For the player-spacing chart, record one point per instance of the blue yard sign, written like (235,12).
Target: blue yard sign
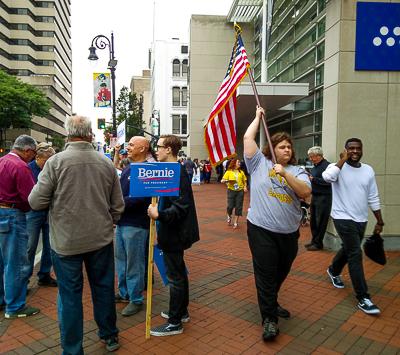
(377,36)
(154,179)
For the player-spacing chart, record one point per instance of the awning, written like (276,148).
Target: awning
(273,97)
(244,10)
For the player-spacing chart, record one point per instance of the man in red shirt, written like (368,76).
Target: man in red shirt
(15,185)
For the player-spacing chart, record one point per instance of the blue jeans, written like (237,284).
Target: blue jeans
(36,222)
(99,265)
(130,253)
(13,259)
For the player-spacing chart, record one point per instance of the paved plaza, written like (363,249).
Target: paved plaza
(223,308)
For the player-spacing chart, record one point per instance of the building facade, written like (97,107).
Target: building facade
(35,45)
(311,42)
(141,86)
(169,89)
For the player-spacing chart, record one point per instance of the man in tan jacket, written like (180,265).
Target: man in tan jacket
(82,191)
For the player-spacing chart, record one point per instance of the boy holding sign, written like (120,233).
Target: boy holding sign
(177,230)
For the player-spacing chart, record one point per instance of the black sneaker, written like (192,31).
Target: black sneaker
(166,329)
(271,330)
(47,281)
(112,343)
(282,312)
(185,318)
(368,307)
(22,313)
(119,299)
(336,280)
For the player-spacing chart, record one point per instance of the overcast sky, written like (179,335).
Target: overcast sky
(132,24)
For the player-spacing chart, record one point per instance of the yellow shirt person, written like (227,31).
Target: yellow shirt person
(235,179)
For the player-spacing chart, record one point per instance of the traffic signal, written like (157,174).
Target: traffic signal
(101,123)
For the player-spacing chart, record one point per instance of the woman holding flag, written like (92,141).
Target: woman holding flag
(273,220)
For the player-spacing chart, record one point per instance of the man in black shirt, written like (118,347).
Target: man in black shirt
(321,199)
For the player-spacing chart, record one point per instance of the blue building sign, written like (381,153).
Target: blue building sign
(377,36)
(154,179)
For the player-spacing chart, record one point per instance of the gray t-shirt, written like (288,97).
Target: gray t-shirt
(273,204)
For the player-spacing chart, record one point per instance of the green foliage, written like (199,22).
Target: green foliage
(58,142)
(19,101)
(130,109)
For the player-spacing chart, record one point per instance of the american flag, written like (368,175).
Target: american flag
(220,129)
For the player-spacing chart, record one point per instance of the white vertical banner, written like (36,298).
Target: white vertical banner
(121,133)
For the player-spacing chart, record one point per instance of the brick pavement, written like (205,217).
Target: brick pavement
(223,308)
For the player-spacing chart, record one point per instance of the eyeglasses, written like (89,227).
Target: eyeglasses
(161,146)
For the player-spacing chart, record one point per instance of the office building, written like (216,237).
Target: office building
(35,45)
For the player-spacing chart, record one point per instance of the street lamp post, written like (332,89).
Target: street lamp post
(101,42)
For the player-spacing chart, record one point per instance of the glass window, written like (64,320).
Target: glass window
(303,125)
(321,52)
(304,105)
(184,124)
(184,96)
(176,124)
(176,100)
(309,78)
(176,67)
(318,122)
(304,63)
(286,76)
(184,67)
(319,99)
(321,28)
(301,146)
(306,41)
(305,20)
(319,75)
(321,5)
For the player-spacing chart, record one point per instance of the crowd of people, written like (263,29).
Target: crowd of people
(79,202)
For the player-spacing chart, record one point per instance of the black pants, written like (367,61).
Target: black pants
(320,210)
(351,233)
(273,255)
(178,286)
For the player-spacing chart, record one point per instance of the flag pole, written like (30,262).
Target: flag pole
(253,84)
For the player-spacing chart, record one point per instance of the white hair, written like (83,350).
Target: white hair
(316,150)
(78,126)
(24,142)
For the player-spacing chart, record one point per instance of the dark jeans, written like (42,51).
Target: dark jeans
(273,255)
(99,266)
(320,210)
(178,286)
(351,233)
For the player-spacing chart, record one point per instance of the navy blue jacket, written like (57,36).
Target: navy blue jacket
(135,213)
(318,184)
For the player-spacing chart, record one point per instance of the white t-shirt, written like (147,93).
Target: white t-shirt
(353,190)
(274,205)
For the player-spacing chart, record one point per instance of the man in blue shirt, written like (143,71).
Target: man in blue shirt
(131,236)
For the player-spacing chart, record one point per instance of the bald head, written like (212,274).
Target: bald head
(138,148)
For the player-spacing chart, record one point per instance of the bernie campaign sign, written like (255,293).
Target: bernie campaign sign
(377,36)
(154,179)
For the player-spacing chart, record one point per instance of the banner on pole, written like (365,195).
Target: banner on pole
(101,91)
(154,179)
(121,133)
